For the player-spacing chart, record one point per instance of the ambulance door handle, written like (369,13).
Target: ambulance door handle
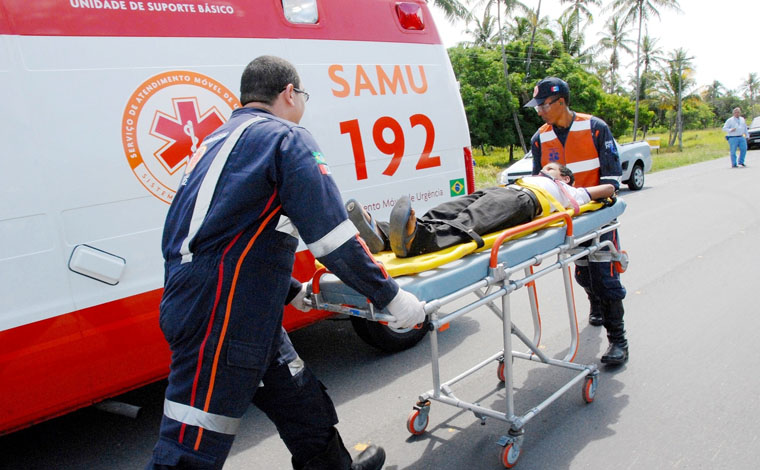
(97,264)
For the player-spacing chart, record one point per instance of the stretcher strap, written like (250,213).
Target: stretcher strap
(544,198)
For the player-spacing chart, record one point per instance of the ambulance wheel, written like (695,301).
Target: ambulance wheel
(589,389)
(510,454)
(386,339)
(415,424)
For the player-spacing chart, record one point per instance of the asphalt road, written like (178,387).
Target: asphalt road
(688,398)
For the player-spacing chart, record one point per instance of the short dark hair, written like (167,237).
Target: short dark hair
(566,97)
(565,171)
(265,77)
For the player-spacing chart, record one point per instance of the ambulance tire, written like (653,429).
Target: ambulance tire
(383,338)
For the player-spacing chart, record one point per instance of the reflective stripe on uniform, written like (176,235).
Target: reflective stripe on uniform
(195,417)
(206,191)
(585,165)
(333,240)
(610,178)
(581,126)
(547,136)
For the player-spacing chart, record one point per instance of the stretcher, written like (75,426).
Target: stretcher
(518,256)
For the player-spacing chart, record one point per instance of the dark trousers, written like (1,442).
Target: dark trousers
(600,279)
(222,317)
(482,212)
(605,292)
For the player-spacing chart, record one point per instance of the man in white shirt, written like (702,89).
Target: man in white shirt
(468,217)
(736,134)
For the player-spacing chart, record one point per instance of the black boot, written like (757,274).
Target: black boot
(617,352)
(595,316)
(371,458)
(336,457)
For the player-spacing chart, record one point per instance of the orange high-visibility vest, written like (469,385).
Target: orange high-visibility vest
(579,152)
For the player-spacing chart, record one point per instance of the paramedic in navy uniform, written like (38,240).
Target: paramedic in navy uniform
(228,276)
(584,144)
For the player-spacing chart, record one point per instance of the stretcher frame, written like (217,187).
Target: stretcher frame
(500,284)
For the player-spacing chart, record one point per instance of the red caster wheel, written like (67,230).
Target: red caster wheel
(589,389)
(509,455)
(415,423)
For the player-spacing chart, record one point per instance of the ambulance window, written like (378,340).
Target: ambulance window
(301,11)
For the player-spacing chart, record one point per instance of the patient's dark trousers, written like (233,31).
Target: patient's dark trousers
(482,212)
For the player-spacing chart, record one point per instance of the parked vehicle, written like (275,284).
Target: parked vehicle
(106,100)
(635,158)
(753,133)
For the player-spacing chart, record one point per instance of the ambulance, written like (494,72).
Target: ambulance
(103,101)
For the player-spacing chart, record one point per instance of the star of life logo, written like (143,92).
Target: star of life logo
(164,124)
(553,155)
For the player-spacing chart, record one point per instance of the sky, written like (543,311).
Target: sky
(720,37)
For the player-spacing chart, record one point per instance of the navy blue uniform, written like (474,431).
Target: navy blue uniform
(599,279)
(228,277)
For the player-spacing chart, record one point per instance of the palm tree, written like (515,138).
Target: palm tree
(750,87)
(452,8)
(615,39)
(640,11)
(485,30)
(572,40)
(650,54)
(578,8)
(713,91)
(509,7)
(678,80)
(540,29)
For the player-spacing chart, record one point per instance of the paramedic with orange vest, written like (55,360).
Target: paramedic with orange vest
(584,144)
(229,257)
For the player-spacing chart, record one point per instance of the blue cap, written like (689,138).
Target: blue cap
(547,87)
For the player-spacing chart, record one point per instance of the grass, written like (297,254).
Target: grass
(698,146)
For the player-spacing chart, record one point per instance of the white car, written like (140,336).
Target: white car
(635,158)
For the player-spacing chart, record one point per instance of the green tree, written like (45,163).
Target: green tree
(678,83)
(571,38)
(485,31)
(614,39)
(486,98)
(750,87)
(640,11)
(617,111)
(580,8)
(696,113)
(651,55)
(452,8)
(585,89)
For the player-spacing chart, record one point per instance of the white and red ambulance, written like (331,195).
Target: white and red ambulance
(103,101)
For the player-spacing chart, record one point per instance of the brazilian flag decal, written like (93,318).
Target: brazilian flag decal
(323,168)
(456,187)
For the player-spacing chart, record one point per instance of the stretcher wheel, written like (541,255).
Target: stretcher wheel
(589,389)
(500,372)
(415,424)
(510,454)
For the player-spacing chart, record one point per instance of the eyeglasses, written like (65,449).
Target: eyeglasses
(546,105)
(298,90)
(305,95)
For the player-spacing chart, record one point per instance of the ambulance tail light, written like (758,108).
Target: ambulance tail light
(470,172)
(410,16)
(301,11)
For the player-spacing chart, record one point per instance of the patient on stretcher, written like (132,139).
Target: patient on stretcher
(468,217)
